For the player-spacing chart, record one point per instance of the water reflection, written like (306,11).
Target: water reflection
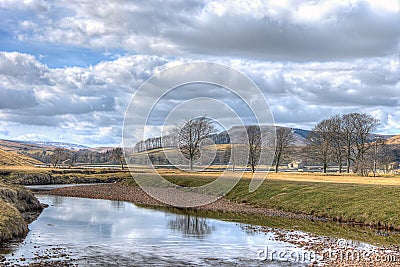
(117,204)
(57,200)
(190,226)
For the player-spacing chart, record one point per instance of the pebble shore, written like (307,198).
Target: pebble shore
(136,195)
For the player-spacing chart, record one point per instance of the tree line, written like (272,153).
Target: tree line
(348,141)
(66,157)
(345,141)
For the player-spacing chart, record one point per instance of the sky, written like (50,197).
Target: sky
(69,68)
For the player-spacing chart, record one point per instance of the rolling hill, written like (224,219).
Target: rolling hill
(13,145)
(395,140)
(10,158)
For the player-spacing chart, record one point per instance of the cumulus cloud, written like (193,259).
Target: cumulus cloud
(32,136)
(14,99)
(73,99)
(325,30)
(89,102)
(311,59)
(21,69)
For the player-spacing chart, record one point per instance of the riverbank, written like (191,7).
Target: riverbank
(227,209)
(375,206)
(343,198)
(18,208)
(136,195)
(24,175)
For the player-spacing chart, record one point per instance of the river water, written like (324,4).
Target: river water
(89,232)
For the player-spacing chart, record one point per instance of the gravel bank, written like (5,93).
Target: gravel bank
(136,195)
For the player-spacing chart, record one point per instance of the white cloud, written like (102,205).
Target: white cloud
(268,30)
(310,58)
(32,137)
(90,103)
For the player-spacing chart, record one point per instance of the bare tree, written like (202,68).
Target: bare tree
(58,155)
(190,136)
(192,226)
(348,131)
(364,124)
(73,157)
(338,140)
(253,141)
(383,155)
(386,157)
(284,139)
(356,130)
(320,142)
(117,155)
(379,142)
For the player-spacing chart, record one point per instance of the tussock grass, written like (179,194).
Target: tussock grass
(11,222)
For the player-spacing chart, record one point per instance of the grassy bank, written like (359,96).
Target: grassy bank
(34,175)
(375,205)
(11,222)
(18,207)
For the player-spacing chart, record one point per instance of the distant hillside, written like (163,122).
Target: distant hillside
(395,140)
(12,145)
(56,144)
(9,158)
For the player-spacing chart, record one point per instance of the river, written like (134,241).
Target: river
(92,232)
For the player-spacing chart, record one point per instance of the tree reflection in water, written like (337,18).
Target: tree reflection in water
(118,204)
(191,226)
(57,200)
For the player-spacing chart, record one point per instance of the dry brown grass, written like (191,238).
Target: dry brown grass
(297,176)
(13,158)
(336,178)
(284,176)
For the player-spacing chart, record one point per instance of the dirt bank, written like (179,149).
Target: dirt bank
(68,178)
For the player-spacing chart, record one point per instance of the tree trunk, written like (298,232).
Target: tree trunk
(325,167)
(278,159)
(348,165)
(276,166)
